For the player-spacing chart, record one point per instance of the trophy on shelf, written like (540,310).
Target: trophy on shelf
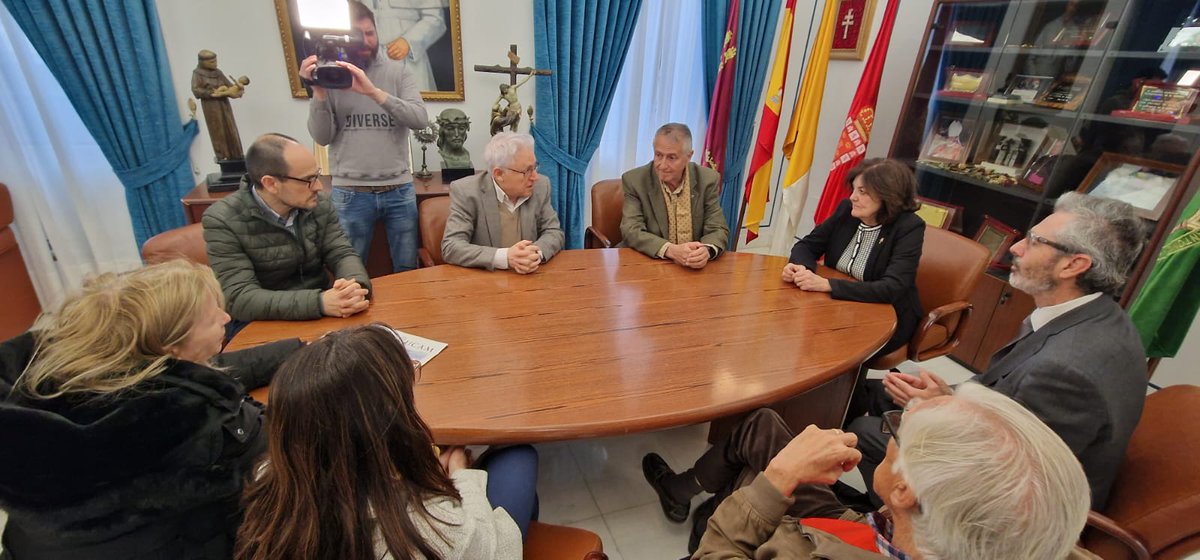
(425,136)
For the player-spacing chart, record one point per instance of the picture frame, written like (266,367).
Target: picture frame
(950,138)
(964,82)
(941,215)
(1066,93)
(1185,39)
(1087,34)
(1056,144)
(1011,147)
(1161,101)
(1028,87)
(971,33)
(997,236)
(850,39)
(1145,184)
(435,59)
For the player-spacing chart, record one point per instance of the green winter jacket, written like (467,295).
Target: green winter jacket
(266,272)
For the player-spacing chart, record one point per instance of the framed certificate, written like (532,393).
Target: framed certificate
(1144,183)
(1161,101)
(962,82)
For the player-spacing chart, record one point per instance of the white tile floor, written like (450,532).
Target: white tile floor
(598,485)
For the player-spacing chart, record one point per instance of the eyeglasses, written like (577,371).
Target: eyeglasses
(891,424)
(308,181)
(532,169)
(1035,240)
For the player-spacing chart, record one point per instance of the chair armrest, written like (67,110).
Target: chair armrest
(596,556)
(426,261)
(962,308)
(1126,537)
(593,239)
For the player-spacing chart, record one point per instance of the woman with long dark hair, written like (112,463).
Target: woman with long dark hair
(352,472)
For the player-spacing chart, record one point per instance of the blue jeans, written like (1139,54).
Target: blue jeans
(512,482)
(397,208)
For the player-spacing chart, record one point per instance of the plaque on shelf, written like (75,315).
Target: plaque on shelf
(1066,93)
(1161,101)
(997,236)
(950,139)
(1028,87)
(971,33)
(961,82)
(1186,38)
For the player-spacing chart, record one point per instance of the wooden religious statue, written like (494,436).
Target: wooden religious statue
(214,90)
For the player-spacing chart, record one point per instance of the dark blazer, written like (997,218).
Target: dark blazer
(1084,375)
(891,273)
(644,222)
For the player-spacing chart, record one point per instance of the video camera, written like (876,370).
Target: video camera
(331,47)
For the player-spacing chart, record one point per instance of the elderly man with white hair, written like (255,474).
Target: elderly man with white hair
(501,218)
(967,476)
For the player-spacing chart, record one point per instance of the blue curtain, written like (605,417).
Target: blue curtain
(584,43)
(108,56)
(716,14)
(755,43)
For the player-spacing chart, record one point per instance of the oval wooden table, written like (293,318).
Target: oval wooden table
(607,341)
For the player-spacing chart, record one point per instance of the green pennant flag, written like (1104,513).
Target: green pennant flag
(1167,304)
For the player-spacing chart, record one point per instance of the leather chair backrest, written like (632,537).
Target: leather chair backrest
(21,307)
(608,202)
(185,242)
(431,219)
(1157,494)
(949,269)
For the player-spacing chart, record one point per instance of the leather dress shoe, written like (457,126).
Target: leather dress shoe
(655,469)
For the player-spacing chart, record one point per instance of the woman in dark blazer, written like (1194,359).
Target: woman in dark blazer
(874,236)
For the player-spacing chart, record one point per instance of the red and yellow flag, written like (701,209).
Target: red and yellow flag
(716,138)
(852,145)
(758,185)
(802,136)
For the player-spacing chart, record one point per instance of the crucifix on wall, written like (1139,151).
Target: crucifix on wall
(506,111)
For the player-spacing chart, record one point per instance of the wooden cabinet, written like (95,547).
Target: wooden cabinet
(999,310)
(1012,103)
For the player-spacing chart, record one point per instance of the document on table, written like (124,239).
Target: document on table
(419,348)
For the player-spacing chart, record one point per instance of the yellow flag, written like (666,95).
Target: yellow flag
(802,136)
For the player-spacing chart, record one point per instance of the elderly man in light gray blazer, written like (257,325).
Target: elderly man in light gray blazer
(502,218)
(1078,362)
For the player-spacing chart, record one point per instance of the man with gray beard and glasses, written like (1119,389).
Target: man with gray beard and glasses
(1078,362)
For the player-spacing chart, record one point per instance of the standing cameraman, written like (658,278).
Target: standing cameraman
(366,128)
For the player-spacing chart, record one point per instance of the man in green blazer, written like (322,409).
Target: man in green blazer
(672,210)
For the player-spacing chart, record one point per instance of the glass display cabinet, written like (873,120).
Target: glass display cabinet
(1011,104)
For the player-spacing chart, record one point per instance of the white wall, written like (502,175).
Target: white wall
(245,36)
(841,83)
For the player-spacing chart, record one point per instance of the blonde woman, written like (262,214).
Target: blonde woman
(121,437)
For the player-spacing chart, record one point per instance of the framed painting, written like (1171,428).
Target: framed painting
(950,139)
(853,29)
(423,34)
(1144,183)
(997,236)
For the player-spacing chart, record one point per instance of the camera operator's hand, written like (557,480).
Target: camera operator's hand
(362,84)
(306,71)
